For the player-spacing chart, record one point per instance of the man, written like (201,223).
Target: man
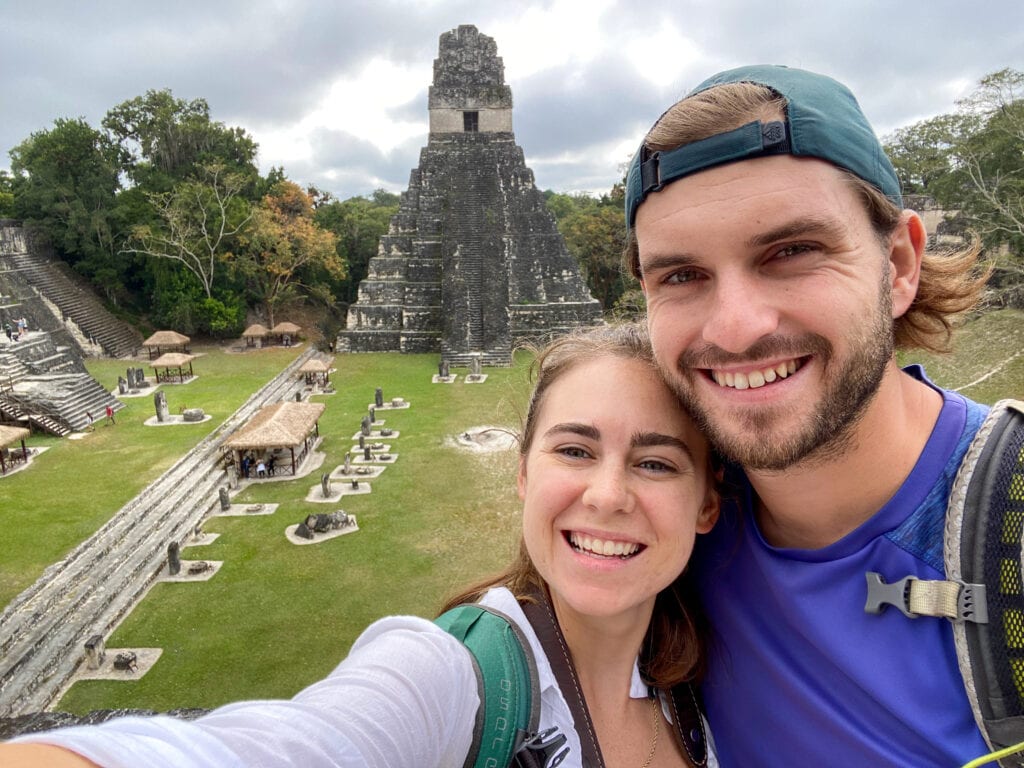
(766,227)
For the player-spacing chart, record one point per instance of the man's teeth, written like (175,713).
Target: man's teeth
(601,547)
(755,379)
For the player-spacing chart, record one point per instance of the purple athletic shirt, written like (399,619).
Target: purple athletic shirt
(799,674)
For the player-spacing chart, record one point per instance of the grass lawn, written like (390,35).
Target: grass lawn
(75,486)
(278,617)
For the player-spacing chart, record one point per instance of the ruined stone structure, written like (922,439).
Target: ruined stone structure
(43,381)
(472,262)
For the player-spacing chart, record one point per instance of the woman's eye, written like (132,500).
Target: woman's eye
(574,452)
(654,465)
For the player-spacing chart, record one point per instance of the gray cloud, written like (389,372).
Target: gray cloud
(263,64)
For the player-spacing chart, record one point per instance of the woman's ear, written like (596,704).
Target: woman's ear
(708,514)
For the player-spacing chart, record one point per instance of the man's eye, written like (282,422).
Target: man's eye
(796,249)
(682,276)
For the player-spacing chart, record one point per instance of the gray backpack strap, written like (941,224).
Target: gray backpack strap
(983,545)
(983,593)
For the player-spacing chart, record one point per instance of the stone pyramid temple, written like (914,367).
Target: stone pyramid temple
(472,263)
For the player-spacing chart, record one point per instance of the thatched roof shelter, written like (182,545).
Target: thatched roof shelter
(169,361)
(316,371)
(285,425)
(10,436)
(285,327)
(253,333)
(166,341)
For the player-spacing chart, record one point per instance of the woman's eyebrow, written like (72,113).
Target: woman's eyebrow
(576,428)
(648,439)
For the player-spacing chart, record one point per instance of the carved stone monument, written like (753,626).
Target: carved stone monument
(193,414)
(95,652)
(160,401)
(173,558)
(347,469)
(473,261)
(225,499)
(122,385)
(325,485)
(367,456)
(126,661)
(378,397)
(365,426)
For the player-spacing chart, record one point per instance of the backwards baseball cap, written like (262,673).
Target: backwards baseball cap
(823,120)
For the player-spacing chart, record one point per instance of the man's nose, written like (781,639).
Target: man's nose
(741,312)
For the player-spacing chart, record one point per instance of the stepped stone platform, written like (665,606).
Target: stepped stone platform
(53,299)
(472,263)
(89,592)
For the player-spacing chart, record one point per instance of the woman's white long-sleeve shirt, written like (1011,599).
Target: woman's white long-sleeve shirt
(406,695)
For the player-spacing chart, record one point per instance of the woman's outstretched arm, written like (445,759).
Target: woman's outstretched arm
(40,756)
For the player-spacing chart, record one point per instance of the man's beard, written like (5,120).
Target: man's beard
(849,386)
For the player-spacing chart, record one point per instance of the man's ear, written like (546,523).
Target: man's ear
(906,249)
(521,478)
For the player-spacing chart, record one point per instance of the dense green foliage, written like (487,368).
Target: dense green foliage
(164,212)
(972,161)
(595,234)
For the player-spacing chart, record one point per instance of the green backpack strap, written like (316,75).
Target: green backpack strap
(509,713)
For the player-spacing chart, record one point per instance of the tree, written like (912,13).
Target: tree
(283,241)
(164,140)
(358,223)
(595,235)
(64,184)
(197,221)
(6,195)
(989,156)
(972,160)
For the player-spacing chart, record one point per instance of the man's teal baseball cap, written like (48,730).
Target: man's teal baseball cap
(823,120)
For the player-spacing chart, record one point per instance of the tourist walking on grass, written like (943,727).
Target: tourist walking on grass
(614,491)
(110,415)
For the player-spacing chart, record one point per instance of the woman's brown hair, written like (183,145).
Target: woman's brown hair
(673,649)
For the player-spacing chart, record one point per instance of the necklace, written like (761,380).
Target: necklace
(657,724)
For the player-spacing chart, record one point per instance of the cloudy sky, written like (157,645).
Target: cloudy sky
(336,92)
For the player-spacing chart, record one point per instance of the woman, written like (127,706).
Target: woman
(616,482)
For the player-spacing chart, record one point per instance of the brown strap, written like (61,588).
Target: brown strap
(542,619)
(686,712)
(689,723)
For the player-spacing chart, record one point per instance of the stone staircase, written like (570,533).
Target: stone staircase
(53,402)
(89,592)
(58,403)
(76,304)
